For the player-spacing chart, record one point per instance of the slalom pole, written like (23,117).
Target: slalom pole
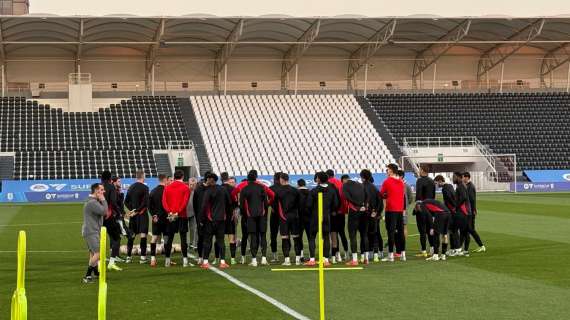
(102,302)
(19,309)
(321,261)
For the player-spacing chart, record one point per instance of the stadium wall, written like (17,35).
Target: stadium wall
(170,73)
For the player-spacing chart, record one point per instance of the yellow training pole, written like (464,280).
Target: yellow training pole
(321,261)
(19,310)
(102,305)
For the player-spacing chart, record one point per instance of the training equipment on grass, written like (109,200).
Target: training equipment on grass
(102,303)
(19,301)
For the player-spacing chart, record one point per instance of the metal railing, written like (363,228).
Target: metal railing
(450,142)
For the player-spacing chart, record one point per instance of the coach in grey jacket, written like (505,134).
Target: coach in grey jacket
(93,212)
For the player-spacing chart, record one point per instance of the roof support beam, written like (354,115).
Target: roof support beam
(2,44)
(152,53)
(79,46)
(552,61)
(296,51)
(362,55)
(225,53)
(499,53)
(432,53)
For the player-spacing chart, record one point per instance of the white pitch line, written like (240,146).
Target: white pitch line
(39,224)
(258,293)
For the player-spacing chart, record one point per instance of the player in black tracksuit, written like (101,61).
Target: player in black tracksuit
(274,220)
(330,204)
(197,204)
(438,223)
(253,203)
(462,211)
(304,214)
(472,192)
(374,207)
(355,196)
(425,189)
(158,214)
(231,219)
(287,204)
(137,203)
(449,201)
(215,202)
(110,221)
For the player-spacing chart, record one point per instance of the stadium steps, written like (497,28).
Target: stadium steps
(6,168)
(162,164)
(381,128)
(194,133)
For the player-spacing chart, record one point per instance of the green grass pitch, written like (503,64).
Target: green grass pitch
(525,274)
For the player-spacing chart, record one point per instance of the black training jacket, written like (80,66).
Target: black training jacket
(462,200)
(449,197)
(354,193)
(287,202)
(253,200)
(215,202)
(155,204)
(304,213)
(425,188)
(472,193)
(137,198)
(330,201)
(372,201)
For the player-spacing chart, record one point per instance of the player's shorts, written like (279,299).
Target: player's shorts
(160,227)
(441,223)
(183,226)
(139,223)
(257,224)
(290,226)
(338,222)
(92,241)
(314,227)
(230,227)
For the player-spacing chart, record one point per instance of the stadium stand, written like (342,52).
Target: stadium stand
(533,125)
(52,144)
(297,134)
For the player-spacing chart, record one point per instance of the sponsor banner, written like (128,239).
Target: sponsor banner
(54,190)
(548,175)
(543,186)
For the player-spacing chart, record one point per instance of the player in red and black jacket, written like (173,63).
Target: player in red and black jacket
(438,225)
(355,197)
(338,219)
(137,203)
(374,207)
(197,204)
(274,219)
(425,189)
(215,203)
(462,211)
(253,200)
(175,200)
(287,205)
(472,193)
(114,212)
(330,205)
(449,201)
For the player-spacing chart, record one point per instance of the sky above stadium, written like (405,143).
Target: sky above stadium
(376,8)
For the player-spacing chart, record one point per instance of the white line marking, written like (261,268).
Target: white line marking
(258,293)
(39,224)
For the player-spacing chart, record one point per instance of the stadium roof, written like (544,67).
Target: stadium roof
(277,36)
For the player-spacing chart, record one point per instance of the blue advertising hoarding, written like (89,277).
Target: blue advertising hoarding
(21,191)
(548,175)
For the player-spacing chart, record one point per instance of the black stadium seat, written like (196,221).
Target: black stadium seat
(534,126)
(52,144)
